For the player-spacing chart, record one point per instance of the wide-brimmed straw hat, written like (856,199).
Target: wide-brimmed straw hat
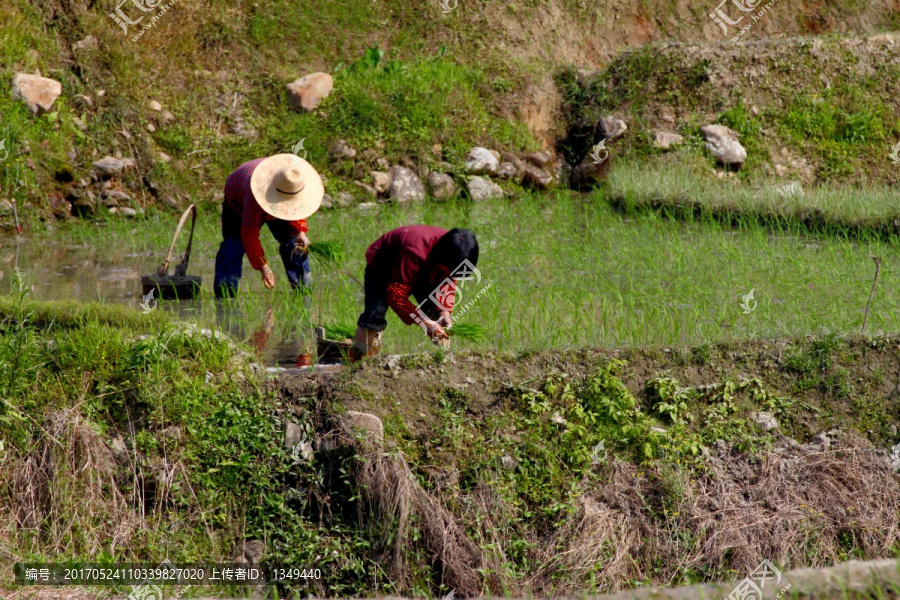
(287,187)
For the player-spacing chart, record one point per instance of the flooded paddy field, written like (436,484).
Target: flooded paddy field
(558,272)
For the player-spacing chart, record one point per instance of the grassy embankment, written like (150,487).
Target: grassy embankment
(126,438)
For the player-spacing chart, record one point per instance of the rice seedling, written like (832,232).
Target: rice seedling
(331,252)
(469,332)
(339,331)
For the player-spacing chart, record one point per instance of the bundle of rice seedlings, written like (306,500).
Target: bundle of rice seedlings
(339,331)
(471,332)
(328,251)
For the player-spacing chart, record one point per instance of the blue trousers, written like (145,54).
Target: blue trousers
(230,257)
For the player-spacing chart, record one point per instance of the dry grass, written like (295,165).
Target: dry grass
(795,505)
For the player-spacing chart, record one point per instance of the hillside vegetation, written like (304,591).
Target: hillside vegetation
(408,77)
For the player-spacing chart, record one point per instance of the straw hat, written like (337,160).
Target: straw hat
(287,187)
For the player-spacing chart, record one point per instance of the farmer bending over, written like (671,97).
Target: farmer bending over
(280,191)
(421,261)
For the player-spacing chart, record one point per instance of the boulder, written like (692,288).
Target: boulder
(155,106)
(341,149)
(481,161)
(482,189)
(514,160)
(88,43)
(307,92)
(766,420)
(343,200)
(611,128)
(664,140)
(405,185)
(588,174)
(441,185)
(327,201)
(367,423)
(38,93)
(536,177)
(381,181)
(723,144)
(166,117)
(293,435)
(365,187)
(507,170)
(127,211)
(109,167)
(113,197)
(539,158)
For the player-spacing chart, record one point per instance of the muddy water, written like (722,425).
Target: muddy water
(100,272)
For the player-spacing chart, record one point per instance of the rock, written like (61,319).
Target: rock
(166,117)
(664,140)
(109,167)
(249,552)
(367,422)
(441,185)
(119,449)
(156,106)
(84,206)
(60,207)
(482,189)
(766,420)
(38,93)
(611,128)
(539,158)
(895,458)
(307,92)
(113,197)
(163,157)
(341,149)
(792,189)
(381,182)
(368,189)
(88,43)
(171,202)
(437,149)
(723,144)
(512,158)
(558,419)
(588,174)
(366,206)
(293,435)
(536,177)
(405,185)
(343,200)
(507,170)
(327,201)
(481,161)
(151,128)
(5,206)
(113,210)
(127,211)
(508,463)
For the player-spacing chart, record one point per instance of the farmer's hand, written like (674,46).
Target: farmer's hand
(302,242)
(445,320)
(435,330)
(268,277)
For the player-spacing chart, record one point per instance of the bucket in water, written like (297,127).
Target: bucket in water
(179,286)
